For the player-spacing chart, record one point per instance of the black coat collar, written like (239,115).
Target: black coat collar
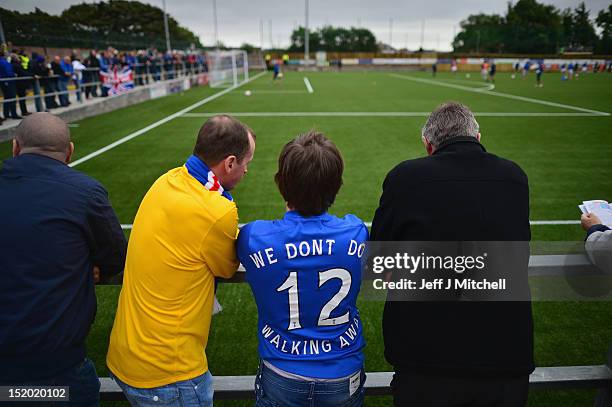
(459,143)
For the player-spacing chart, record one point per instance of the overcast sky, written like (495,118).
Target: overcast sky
(240,20)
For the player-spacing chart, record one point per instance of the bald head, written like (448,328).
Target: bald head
(44,134)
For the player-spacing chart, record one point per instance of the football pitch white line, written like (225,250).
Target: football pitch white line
(277,91)
(127,226)
(500,94)
(387,114)
(159,123)
(308,85)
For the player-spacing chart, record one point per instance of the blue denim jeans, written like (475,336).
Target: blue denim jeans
(273,390)
(62,86)
(187,393)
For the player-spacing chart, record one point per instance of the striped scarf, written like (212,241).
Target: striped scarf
(200,171)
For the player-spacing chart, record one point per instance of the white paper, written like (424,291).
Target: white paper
(602,209)
(354,383)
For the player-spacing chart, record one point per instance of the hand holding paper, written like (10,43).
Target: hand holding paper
(596,212)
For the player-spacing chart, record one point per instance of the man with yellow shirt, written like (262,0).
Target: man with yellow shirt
(183,237)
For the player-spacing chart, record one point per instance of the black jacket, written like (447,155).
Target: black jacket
(57,70)
(21,85)
(460,193)
(57,223)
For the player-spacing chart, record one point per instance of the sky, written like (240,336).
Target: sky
(398,22)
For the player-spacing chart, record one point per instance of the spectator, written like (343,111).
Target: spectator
(59,232)
(77,76)
(309,177)
(60,79)
(48,82)
(64,81)
(7,84)
(163,318)
(141,68)
(191,63)
(91,75)
(22,83)
(104,61)
(115,60)
(37,68)
(457,353)
(598,241)
(168,66)
(25,61)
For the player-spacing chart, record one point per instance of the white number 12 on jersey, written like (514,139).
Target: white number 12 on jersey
(291,284)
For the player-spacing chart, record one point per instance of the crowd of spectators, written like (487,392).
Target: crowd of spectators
(20,72)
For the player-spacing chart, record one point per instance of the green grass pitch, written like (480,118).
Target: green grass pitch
(565,150)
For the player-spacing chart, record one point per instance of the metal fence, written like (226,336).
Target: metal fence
(86,83)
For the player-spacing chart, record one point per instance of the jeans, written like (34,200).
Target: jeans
(77,84)
(37,99)
(9,92)
(63,88)
(82,381)
(50,86)
(273,390)
(21,92)
(187,393)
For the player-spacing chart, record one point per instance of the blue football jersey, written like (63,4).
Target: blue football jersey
(305,274)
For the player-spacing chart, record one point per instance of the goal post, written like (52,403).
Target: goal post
(227,68)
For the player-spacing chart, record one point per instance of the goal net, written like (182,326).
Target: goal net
(227,68)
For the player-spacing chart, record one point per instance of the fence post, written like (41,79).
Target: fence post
(37,98)
(604,395)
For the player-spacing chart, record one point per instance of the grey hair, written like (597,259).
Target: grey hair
(449,120)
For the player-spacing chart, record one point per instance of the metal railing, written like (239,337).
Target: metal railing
(143,74)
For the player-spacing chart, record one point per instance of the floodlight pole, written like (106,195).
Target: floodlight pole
(214,4)
(391,32)
(261,34)
(166,29)
(2,37)
(422,34)
(306,37)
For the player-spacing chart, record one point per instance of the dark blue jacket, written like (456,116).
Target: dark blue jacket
(56,224)
(6,69)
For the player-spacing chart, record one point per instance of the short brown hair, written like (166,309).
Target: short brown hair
(309,173)
(220,137)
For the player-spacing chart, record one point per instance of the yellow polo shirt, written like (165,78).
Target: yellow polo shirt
(183,237)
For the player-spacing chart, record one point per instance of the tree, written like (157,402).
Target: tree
(129,19)
(528,27)
(481,33)
(120,23)
(583,30)
(335,39)
(533,27)
(248,47)
(604,22)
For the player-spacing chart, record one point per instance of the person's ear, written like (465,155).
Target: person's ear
(16,148)
(70,151)
(478,137)
(229,163)
(428,146)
